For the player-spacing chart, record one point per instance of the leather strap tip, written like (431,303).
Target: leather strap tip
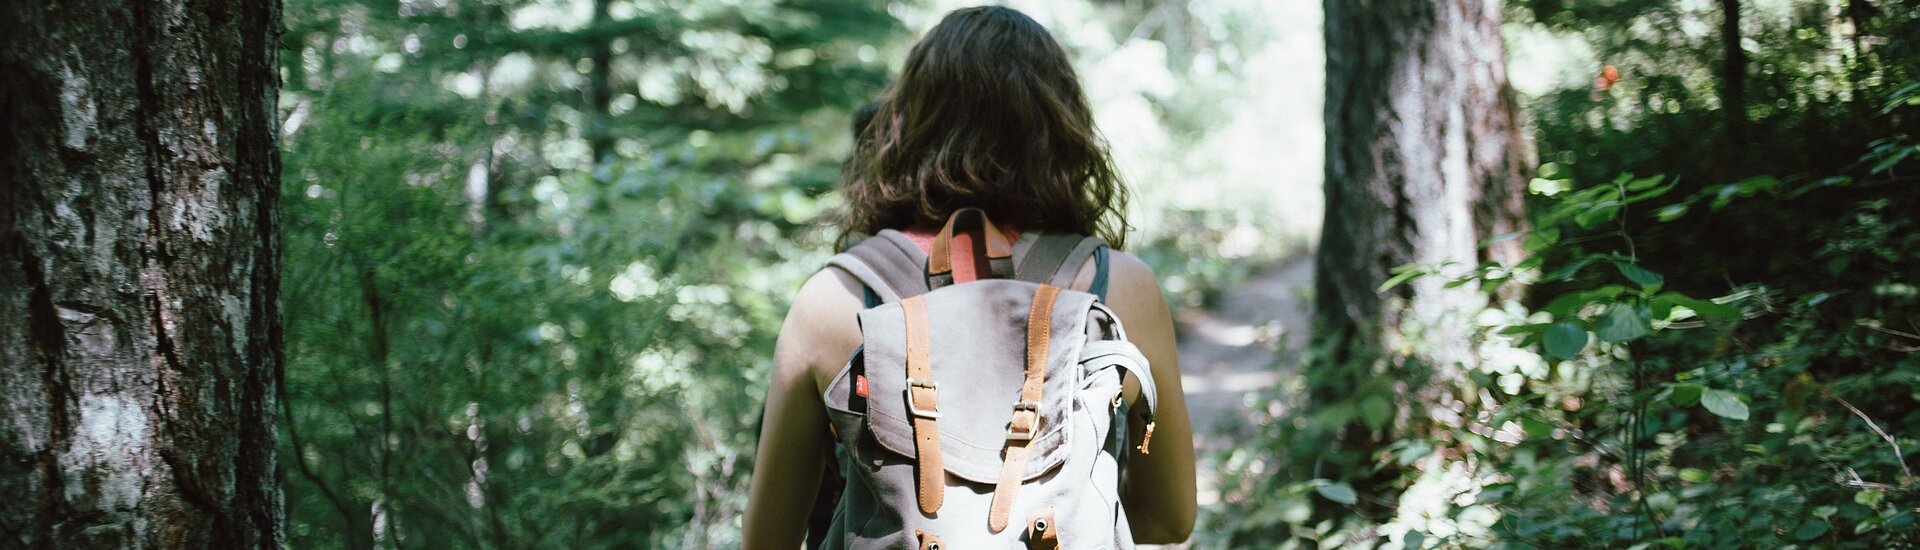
(1146,439)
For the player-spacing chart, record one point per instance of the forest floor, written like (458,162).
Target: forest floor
(1230,354)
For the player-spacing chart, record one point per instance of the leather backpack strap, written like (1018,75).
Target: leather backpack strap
(928,541)
(1026,413)
(940,256)
(1043,533)
(923,406)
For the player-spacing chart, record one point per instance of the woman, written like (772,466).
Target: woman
(988,114)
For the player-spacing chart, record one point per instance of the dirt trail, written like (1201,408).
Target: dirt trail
(1239,347)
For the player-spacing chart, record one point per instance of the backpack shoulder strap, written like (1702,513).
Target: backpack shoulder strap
(1055,259)
(1044,256)
(888,263)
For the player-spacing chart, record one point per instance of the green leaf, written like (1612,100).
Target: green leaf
(1534,328)
(1687,395)
(1407,273)
(1598,214)
(1565,304)
(1648,280)
(1652,193)
(1376,411)
(1565,340)
(1811,529)
(1870,498)
(1536,427)
(1671,212)
(1336,491)
(1413,452)
(1624,323)
(1724,403)
(1703,308)
(1645,183)
(1540,239)
(1570,269)
(1548,187)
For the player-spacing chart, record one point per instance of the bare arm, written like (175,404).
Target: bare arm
(1159,487)
(816,336)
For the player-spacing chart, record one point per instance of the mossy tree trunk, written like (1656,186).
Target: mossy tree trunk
(140,326)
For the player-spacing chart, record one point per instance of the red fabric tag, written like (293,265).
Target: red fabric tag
(860,385)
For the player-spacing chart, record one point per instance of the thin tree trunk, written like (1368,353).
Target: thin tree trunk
(1733,79)
(600,88)
(139,308)
(1424,161)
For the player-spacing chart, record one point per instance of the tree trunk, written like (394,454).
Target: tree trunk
(1733,80)
(139,308)
(1424,161)
(600,86)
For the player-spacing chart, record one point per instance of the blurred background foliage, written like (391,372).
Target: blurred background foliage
(538,250)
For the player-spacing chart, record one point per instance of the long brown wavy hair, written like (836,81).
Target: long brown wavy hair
(987,113)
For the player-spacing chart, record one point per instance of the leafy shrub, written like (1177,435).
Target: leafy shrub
(1618,408)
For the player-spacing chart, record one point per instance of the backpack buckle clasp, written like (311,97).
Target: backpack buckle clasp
(1026,418)
(913,405)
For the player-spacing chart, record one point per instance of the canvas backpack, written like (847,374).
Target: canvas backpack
(983,413)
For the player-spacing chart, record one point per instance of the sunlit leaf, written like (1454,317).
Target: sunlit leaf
(1624,322)
(1724,403)
(1336,491)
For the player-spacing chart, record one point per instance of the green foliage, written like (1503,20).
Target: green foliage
(1629,410)
(501,337)
(538,250)
(1791,458)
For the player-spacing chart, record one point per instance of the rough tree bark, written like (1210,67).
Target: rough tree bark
(1425,160)
(139,308)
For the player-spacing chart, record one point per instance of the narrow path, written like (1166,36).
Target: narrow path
(1240,347)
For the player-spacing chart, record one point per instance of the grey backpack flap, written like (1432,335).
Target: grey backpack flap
(985,414)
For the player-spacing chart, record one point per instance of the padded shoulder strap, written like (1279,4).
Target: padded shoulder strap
(888,263)
(1055,259)
(1044,256)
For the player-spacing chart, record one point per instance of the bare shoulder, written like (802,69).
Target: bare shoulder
(1132,288)
(1134,293)
(821,329)
(1127,273)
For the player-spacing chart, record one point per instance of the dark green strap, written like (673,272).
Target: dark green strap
(1099,286)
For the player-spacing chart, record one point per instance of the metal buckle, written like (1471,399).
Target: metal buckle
(913,407)
(1013,431)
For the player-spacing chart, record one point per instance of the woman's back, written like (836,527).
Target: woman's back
(987,113)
